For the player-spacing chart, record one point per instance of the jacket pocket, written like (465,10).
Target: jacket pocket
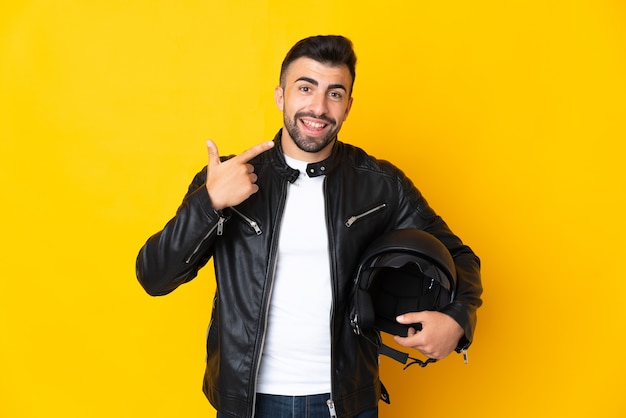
(251,222)
(219,227)
(365,214)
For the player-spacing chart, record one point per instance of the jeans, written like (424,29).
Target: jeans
(312,406)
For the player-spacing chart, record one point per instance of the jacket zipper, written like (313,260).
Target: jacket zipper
(220,229)
(253,224)
(274,248)
(330,403)
(355,218)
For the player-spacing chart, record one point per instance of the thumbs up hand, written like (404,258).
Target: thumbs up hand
(232,181)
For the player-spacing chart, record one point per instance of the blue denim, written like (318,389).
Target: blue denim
(312,406)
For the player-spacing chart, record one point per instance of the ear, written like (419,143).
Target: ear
(279,98)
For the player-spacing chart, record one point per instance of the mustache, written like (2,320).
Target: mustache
(325,118)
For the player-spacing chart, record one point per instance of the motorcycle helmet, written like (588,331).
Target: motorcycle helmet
(405,270)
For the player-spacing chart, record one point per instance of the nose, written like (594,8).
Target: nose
(318,103)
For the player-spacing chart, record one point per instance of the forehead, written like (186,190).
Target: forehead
(322,73)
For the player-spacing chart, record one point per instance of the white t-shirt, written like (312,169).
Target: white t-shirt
(296,352)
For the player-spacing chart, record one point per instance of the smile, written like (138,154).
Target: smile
(314,125)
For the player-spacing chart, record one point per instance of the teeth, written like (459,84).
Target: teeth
(313,124)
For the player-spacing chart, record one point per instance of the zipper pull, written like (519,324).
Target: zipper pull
(255,226)
(353,219)
(249,221)
(331,408)
(220,225)
(465,359)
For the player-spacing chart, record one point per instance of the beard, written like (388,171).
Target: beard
(307,143)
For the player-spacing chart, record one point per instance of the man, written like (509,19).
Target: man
(286,222)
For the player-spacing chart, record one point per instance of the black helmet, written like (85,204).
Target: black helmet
(405,270)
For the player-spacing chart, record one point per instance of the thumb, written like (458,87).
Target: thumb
(410,318)
(214,156)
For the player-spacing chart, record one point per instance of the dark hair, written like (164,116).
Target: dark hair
(332,50)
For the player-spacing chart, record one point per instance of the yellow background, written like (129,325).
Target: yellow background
(509,116)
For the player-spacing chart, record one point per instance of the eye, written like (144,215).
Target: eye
(335,95)
(305,89)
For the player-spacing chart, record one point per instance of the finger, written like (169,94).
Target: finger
(408,341)
(253,178)
(214,156)
(410,318)
(250,153)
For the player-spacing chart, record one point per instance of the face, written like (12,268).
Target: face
(315,101)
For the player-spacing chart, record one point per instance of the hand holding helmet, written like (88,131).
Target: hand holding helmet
(437,338)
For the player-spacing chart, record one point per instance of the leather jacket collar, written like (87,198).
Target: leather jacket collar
(320,168)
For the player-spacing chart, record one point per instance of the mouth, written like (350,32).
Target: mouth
(312,125)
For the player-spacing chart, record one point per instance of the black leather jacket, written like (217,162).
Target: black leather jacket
(365,197)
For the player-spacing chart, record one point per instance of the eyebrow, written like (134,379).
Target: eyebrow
(315,83)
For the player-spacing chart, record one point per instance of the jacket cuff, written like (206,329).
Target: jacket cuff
(459,313)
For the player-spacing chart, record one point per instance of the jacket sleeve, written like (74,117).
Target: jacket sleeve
(467,298)
(174,255)
(416,212)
